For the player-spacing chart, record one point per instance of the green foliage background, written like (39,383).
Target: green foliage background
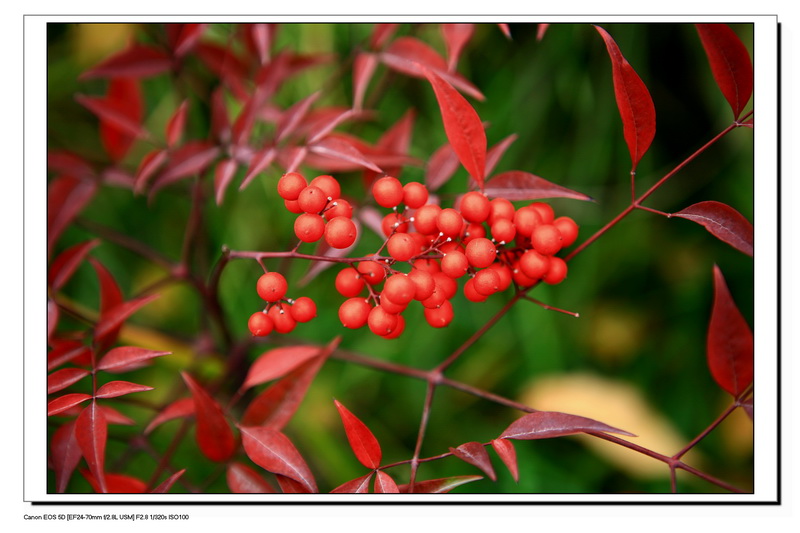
(643,291)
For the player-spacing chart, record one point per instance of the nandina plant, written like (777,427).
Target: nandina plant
(314,272)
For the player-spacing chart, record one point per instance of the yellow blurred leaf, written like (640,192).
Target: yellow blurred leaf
(93,42)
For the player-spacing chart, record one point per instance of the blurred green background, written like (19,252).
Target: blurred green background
(634,359)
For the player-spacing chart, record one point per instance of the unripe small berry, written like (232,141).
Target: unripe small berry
(486,282)
(481,252)
(525,220)
(545,212)
(568,229)
(381,322)
(312,199)
(353,313)
(304,309)
(533,264)
(259,324)
(290,185)
(349,282)
(475,207)
(394,223)
(425,219)
(450,222)
(338,208)
(271,286)
(282,318)
(340,232)
(455,264)
(440,317)
(329,185)
(309,227)
(415,195)
(399,288)
(402,246)
(371,272)
(500,208)
(388,191)
(557,271)
(546,239)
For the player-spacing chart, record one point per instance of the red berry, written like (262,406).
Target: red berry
(500,208)
(271,286)
(436,299)
(503,230)
(353,313)
(450,246)
(388,191)
(455,264)
(340,232)
(474,231)
(282,318)
(423,282)
(504,274)
(440,317)
(312,199)
(415,195)
(260,324)
(290,185)
(520,278)
(371,272)
(475,207)
(533,264)
(450,222)
(304,309)
(399,288)
(545,212)
(402,246)
(448,285)
(398,329)
(338,208)
(329,186)
(486,282)
(481,252)
(557,271)
(349,282)
(526,219)
(425,219)
(390,306)
(309,227)
(546,239)
(428,265)
(380,321)
(471,294)
(293,206)
(394,223)
(568,229)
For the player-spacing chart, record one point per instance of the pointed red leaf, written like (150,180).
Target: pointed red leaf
(117,483)
(729,347)
(113,319)
(124,100)
(260,161)
(124,358)
(325,250)
(110,298)
(396,140)
(549,424)
(456,36)
(372,218)
(63,162)
(183,37)
(505,450)
(463,127)
(136,61)
(65,351)
(167,484)
(440,167)
(730,64)
(439,486)
(189,160)
(274,452)
(382,33)
(67,261)
(723,222)
(362,441)
(541,30)
(262,36)
(227,65)
(634,102)
(290,486)
(337,148)
(177,409)
(52,317)
(147,168)
(66,197)
(65,454)
(176,125)
(276,405)
(112,389)
(321,128)
(244,480)
(220,122)
(62,403)
(384,484)
(505,29)
(91,432)
(214,436)
(519,185)
(223,175)
(293,116)
(495,153)
(113,416)
(363,69)
(278,362)
(292,156)
(475,454)
(61,379)
(359,485)
(111,114)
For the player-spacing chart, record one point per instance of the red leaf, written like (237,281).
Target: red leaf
(117,484)
(730,64)
(441,167)
(125,358)
(214,436)
(519,185)
(260,161)
(277,363)
(147,168)
(274,452)
(382,33)
(113,319)
(61,379)
(723,222)
(396,140)
(337,148)
(455,37)
(91,432)
(634,102)
(65,454)
(110,298)
(177,409)
(505,29)
(505,450)
(463,127)
(52,317)
(292,156)
(372,218)
(66,350)
(167,484)
(176,125)
(112,389)
(124,98)
(384,484)
(290,486)
(293,116)
(223,175)
(67,261)
(363,69)
(183,37)
(322,127)
(540,31)
(110,114)
(136,61)
(62,403)
(413,57)
(475,454)
(66,197)
(276,405)
(362,441)
(549,424)
(113,416)
(747,405)
(730,341)
(190,159)
(63,162)
(220,122)
(225,64)
(359,485)
(439,486)
(496,152)
(262,36)
(244,480)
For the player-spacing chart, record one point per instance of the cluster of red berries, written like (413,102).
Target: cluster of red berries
(321,210)
(491,241)
(280,314)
